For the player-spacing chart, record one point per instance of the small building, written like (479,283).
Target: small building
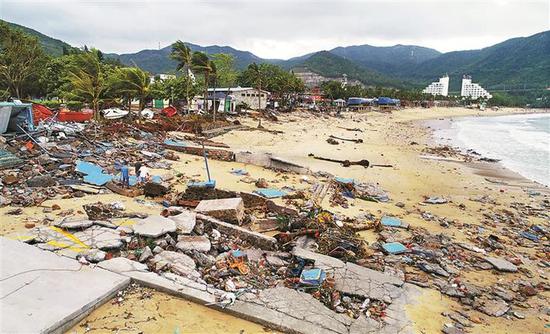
(227,99)
(161,103)
(473,90)
(440,87)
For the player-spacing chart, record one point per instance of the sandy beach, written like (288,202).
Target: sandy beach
(399,139)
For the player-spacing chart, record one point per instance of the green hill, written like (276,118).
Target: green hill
(330,65)
(52,46)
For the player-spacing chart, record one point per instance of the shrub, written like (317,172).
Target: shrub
(74,105)
(51,104)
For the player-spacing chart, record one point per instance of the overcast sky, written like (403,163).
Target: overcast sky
(280,29)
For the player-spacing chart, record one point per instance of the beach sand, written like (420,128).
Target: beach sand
(396,139)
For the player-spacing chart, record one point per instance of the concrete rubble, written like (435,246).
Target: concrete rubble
(287,262)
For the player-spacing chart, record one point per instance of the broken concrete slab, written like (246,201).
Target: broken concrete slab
(154,226)
(178,262)
(34,281)
(100,237)
(94,255)
(502,264)
(258,239)
(229,210)
(353,279)
(70,224)
(193,242)
(292,310)
(495,308)
(121,265)
(185,221)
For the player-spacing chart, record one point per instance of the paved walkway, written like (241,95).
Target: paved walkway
(44,292)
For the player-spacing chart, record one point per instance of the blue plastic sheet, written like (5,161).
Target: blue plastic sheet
(344,180)
(205,184)
(312,276)
(394,248)
(270,192)
(390,221)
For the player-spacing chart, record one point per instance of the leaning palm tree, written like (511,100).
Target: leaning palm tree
(133,82)
(87,80)
(183,55)
(256,72)
(202,64)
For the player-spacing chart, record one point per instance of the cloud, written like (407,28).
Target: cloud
(280,29)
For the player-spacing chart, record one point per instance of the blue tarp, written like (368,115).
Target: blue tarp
(394,248)
(390,221)
(95,175)
(344,180)
(387,101)
(270,193)
(205,184)
(312,276)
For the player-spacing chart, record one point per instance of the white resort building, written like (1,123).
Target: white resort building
(440,87)
(473,90)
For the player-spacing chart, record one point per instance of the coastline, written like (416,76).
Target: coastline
(496,172)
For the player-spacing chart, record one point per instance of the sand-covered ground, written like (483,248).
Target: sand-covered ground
(397,139)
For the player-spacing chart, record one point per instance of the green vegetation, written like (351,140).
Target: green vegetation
(21,60)
(273,78)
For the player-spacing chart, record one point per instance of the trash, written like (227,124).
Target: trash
(270,192)
(313,277)
(394,248)
(435,200)
(393,222)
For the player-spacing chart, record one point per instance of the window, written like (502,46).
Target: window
(263,95)
(242,94)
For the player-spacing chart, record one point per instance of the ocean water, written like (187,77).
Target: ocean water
(521,142)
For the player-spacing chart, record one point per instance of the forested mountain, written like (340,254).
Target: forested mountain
(517,61)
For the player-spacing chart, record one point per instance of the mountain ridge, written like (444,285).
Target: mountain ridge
(515,61)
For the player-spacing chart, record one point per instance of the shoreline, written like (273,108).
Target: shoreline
(493,170)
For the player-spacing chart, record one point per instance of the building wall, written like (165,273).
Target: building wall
(440,87)
(250,97)
(473,90)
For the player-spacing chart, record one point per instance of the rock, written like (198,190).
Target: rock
(10,179)
(74,224)
(432,268)
(30,225)
(528,291)
(177,262)
(185,221)
(495,308)
(121,265)
(198,243)
(449,329)
(146,254)
(100,237)
(157,250)
(229,210)
(518,315)
(262,183)
(501,264)
(95,255)
(41,181)
(154,226)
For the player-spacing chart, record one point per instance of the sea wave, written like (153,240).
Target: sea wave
(521,142)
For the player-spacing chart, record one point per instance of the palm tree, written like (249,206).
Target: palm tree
(133,82)
(88,80)
(256,72)
(202,64)
(183,55)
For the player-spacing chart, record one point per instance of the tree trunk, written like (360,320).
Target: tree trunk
(260,94)
(214,100)
(206,91)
